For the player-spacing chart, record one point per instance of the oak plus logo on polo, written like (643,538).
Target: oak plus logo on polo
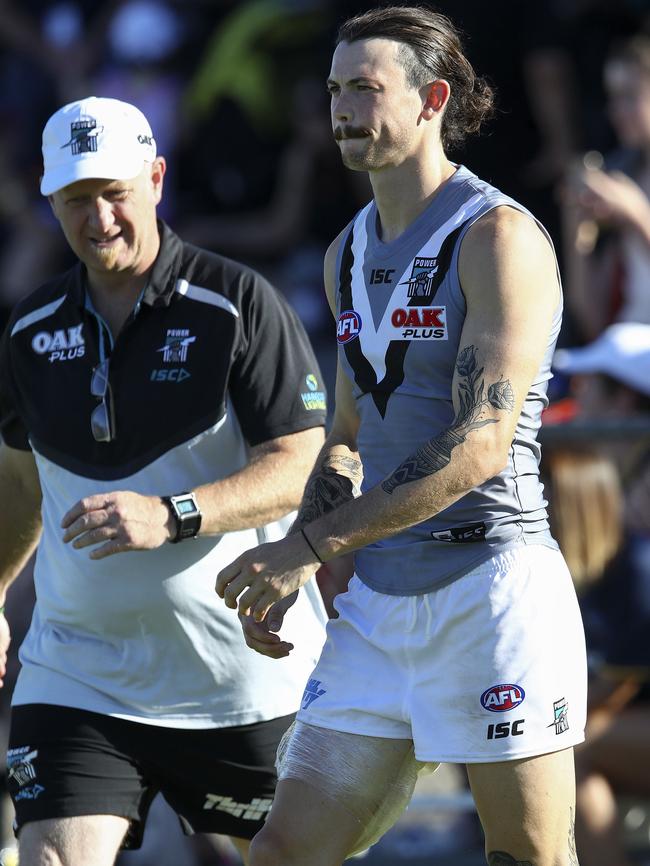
(61,345)
(503,697)
(348,326)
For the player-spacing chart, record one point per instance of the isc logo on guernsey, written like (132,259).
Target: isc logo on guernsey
(501,698)
(348,326)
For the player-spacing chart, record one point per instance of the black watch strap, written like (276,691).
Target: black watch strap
(186,515)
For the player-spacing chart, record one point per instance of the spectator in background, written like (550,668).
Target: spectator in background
(612,381)
(606,205)
(611,570)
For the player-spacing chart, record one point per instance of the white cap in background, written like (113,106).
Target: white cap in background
(622,352)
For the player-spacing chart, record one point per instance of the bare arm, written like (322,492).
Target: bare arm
(268,487)
(20,513)
(509,278)
(20,526)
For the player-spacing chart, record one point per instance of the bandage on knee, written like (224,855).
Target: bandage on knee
(371,777)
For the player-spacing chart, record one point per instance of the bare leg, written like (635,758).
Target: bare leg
(527,808)
(87,840)
(337,793)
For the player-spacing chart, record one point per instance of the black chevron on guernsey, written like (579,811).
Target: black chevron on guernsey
(364,373)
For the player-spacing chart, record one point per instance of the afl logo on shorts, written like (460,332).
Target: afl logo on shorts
(501,698)
(348,326)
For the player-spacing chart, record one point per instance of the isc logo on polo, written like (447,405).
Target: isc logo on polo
(501,698)
(348,326)
(419,323)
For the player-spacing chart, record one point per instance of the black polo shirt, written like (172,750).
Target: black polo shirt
(206,331)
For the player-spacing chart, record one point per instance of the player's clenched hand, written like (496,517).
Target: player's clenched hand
(262,636)
(260,577)
(117,521)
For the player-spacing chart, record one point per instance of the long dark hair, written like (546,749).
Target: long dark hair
(432,49)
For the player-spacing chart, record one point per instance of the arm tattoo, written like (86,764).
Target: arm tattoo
(500,858)
(436,453)
(336,481)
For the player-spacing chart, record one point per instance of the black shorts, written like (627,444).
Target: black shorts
(64,762)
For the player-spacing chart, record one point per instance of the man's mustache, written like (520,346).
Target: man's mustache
(342,132)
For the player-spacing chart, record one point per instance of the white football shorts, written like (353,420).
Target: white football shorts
(491,667)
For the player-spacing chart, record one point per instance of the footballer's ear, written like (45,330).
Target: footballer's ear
(436,97)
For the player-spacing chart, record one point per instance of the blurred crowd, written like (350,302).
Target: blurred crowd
(236,97)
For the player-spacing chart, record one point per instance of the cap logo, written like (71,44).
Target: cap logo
(83,136)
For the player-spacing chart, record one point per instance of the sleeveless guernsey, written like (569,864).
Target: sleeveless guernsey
(400,312)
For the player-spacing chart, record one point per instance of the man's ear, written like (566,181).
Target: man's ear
(436,98)
(158,169)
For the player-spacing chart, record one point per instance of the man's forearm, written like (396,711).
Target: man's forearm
(19,539)
(268,487)
(431,479)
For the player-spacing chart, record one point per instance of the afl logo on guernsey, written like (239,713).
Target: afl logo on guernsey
(348,326)
(501,698)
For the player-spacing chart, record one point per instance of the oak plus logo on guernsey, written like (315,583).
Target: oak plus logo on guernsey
(348,326)
(62,345)
(420,320)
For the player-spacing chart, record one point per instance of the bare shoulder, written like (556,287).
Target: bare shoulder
(331,257)
(504,246)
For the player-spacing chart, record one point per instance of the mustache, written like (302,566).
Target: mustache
(342,132)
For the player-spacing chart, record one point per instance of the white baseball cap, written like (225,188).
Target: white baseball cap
(622,351)
(95,137)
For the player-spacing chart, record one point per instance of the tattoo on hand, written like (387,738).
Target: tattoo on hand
(436,453)
(500,858)
(337,481)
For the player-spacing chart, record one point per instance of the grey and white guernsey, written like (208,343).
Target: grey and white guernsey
(400,313)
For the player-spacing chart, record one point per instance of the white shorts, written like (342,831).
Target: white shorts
(489,668)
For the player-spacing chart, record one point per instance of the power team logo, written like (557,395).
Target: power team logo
(312,691)
(313,398)
(22,773)
(501,698)
(176,345)
(421,283)
(83,136)
(420,321)
(560,716)
(348,326)
(62,345)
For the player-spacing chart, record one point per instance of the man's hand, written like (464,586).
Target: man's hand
(118,521)
(612,198)
(271,572)
(5,640)
(262,636)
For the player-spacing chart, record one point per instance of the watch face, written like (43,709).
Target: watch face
(185,506)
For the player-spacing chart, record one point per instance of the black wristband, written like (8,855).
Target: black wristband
(311,546)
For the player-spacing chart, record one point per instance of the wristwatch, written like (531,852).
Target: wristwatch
(186,514)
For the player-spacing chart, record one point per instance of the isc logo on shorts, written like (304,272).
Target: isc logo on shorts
(348,326)
(501,698)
